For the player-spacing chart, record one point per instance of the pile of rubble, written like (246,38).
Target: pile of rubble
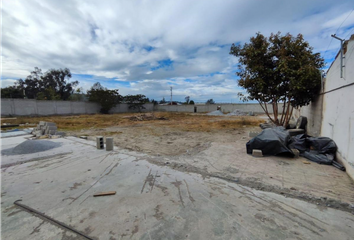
(45,128)
(145,117)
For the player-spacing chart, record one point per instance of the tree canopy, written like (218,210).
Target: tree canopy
(52,85)
(210,101)
(136,102)
(103,96)
(12,92)
(279,69)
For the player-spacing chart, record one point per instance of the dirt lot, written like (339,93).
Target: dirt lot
(167,134)
(214,147)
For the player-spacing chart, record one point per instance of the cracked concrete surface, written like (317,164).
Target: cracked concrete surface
(155,201)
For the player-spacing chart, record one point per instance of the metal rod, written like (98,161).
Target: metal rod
(341,53)
(31,210)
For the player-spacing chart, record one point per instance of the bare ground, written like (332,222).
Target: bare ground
(214,146)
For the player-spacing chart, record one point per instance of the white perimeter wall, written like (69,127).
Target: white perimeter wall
(338,108)
(30,107)
(203,108)
(332,114)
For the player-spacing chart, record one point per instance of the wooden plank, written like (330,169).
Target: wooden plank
(104,194)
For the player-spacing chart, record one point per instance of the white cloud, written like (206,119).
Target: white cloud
(127,40)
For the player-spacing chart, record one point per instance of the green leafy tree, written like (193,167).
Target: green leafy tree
(32,84)
(103,96)
(78,95)
(53,84)
(210,101)
(48,94)
(12,92)
(191,102)
(58,80)
(136,102)
(278,69)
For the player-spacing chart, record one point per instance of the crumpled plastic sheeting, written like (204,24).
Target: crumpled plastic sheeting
(272,141)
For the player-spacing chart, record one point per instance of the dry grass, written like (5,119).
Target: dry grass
(181,121)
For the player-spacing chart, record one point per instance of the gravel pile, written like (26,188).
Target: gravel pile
(237,112)
(215,113)
(31,146)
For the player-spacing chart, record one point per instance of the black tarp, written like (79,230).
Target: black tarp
(272,141)
(276,141)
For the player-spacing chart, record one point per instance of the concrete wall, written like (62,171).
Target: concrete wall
(332,114)
(30,107)
(313,112)
(338,108)
(202,108)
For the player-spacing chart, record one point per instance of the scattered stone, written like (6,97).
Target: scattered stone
(296,152)
(215,113)
(257,153)
(237,112)
(167,163)
(292,188)
(55,136)
(306,162)
(61,134)
(83,137)
(31,146)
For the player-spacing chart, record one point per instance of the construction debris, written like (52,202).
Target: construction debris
(45,128)
(215,113)
(104,194)
(31,146)
(257,153)
(109,143)
(237,112)
(99,142)
(145,117)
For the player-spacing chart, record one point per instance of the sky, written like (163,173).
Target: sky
(147,46)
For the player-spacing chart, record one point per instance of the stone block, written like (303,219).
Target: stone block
(109,143)
(50,124)
(51,128)
(63,134)
(52,132)
(99,142)
(296,152)
(257,153)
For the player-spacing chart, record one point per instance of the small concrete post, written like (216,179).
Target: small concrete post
(99,142)
(109,143)
(257,153)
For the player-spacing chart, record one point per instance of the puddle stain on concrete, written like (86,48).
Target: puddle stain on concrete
(101,176)
(189,193)
(37,229)
(177,184)
(150,179)
(136,228)
(158,214)
(277,208)
(75,185)
(163,189)
(13,213)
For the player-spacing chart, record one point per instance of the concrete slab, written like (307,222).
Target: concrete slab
(152,202)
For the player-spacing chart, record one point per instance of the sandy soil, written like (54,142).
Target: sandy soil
(156,139)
